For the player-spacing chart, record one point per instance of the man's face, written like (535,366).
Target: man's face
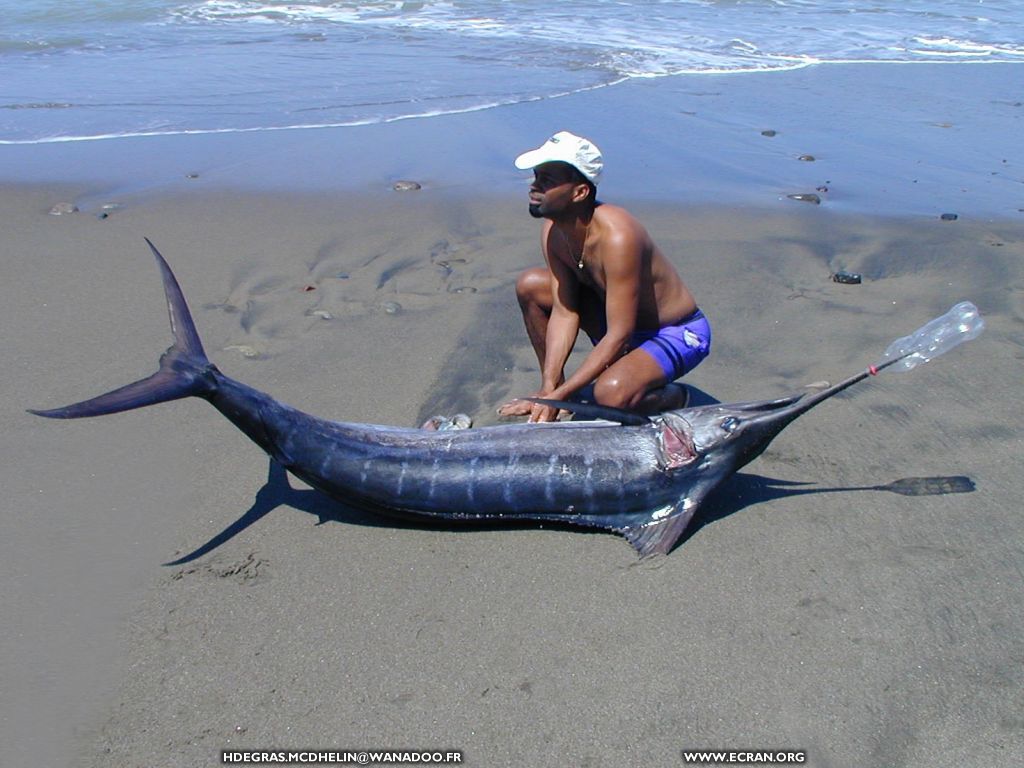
(553,189)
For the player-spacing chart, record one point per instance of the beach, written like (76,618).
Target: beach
(809,608)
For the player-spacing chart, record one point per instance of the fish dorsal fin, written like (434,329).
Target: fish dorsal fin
(658,536)
(595,411)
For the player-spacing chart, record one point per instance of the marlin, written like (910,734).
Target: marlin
(641,477)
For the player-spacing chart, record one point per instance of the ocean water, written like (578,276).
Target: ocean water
(75,70)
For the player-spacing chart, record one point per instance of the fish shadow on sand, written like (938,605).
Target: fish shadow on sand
(743,490)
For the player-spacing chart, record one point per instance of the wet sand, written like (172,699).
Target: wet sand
(806,610)
(918,140)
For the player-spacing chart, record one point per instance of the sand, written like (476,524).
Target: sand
(805,610)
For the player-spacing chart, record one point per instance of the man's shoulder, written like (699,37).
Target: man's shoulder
(616,220)
(614,214)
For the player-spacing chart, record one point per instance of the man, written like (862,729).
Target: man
(606,276)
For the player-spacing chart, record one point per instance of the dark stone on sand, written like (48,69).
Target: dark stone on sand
(807,158)
(308,288)
(391,307)
(846,278)
(63,209)
(406,186)
(191,175)
(823,189)
(949,217)
(769,133)
(806,197)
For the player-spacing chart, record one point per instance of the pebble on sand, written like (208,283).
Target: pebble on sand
(806,158)
(62,209)
(244,349)
(391,307)
(949,217)
(846,278)
(406,186)
(108,208)
(769,133)
(806,197)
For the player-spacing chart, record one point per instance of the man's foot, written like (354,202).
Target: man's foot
(671,397)
(677,396)
(515,408)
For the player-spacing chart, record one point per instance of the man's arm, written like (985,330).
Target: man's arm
(563,325)
(622,256)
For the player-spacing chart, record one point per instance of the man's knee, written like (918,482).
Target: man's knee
(616,392)
(533,286)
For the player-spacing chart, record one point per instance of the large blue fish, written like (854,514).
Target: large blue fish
(640,477)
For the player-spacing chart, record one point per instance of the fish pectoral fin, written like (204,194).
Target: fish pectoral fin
(595,411)
(659,535)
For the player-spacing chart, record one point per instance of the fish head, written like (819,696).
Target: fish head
(725,435)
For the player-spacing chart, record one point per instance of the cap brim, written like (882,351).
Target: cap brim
(532,159)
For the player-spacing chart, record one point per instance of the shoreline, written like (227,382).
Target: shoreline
(934,138)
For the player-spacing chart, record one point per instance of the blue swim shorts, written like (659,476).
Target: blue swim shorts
(677,348)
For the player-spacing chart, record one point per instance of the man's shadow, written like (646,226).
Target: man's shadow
(741,491)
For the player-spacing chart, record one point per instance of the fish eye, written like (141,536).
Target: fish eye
(730,424)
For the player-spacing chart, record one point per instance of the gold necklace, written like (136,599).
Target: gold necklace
(568,245)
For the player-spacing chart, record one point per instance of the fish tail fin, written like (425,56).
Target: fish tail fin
(186,337)
(659,537)
(184,370)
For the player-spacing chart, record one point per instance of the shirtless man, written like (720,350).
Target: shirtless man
(605,276)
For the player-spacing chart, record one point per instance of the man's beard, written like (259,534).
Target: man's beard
(535,211)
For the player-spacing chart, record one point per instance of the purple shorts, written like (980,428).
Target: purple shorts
(677,348)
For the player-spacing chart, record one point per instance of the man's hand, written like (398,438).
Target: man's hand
(541,412)
(537,412)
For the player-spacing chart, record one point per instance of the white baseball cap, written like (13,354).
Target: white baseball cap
(565,147)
